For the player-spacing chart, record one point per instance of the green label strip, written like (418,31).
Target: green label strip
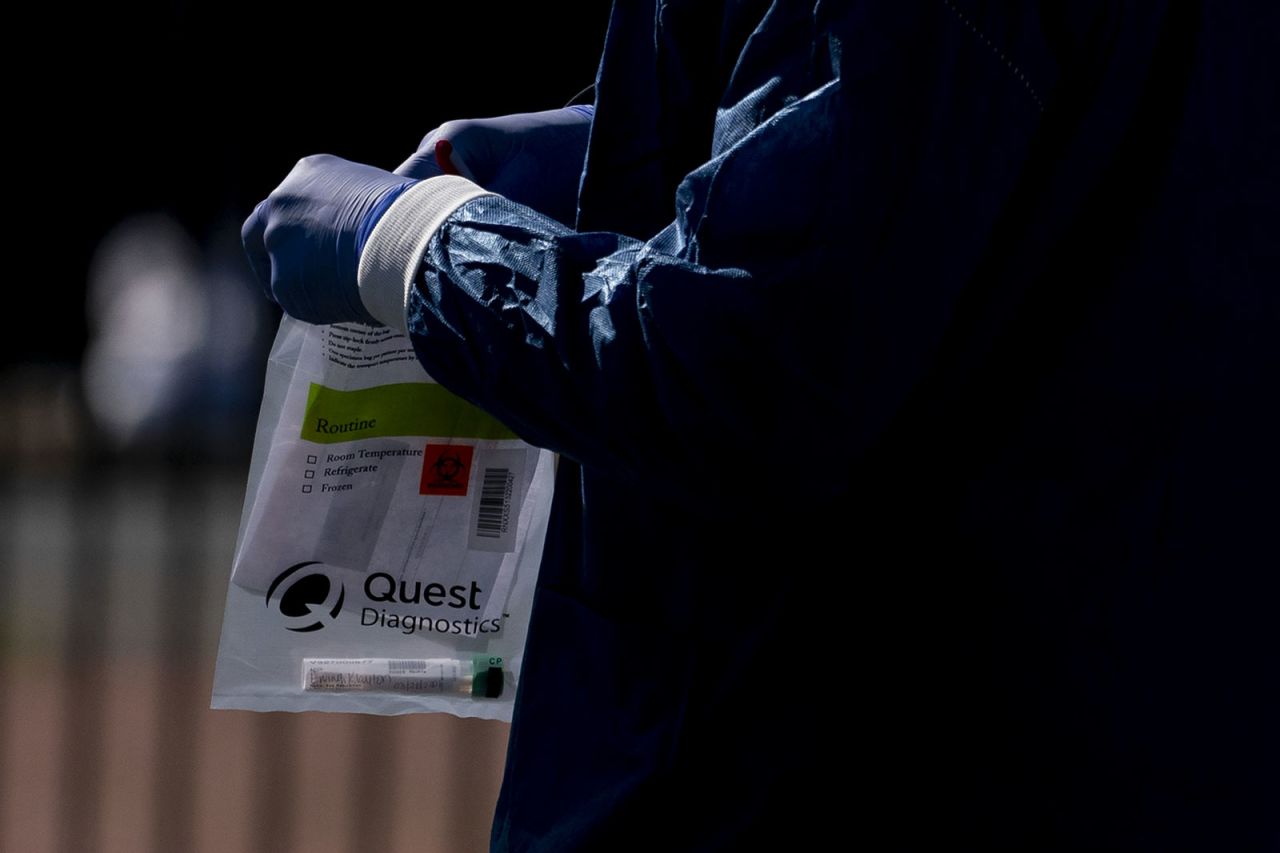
(409,408)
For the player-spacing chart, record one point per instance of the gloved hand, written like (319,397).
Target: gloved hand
(533,158)
(304,241)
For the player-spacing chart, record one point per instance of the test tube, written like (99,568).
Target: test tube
(481,677)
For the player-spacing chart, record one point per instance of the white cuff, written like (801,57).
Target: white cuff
(394,249)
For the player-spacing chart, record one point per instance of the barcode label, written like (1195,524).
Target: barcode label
(496,512)
(494,515)
(406,665)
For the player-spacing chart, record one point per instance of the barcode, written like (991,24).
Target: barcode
(406,666)
(495,503)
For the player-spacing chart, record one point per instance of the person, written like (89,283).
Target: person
(908,372)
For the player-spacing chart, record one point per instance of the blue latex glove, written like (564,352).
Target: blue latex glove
(533,158)
(304,240)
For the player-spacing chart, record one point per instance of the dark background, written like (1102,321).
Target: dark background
(198,110)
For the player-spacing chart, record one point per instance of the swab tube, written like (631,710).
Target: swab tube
(478,678)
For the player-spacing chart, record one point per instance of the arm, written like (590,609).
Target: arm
(599,346)
(778,316)
(797,298)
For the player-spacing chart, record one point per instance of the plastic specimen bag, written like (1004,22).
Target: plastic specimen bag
(389,541)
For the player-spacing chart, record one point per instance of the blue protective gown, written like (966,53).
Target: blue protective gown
(909,374)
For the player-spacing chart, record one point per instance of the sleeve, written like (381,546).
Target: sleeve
(607,349)
(771,331)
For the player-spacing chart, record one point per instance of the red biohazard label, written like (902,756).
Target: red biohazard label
(446,468)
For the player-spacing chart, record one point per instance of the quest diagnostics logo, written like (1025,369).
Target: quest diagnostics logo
(307,600)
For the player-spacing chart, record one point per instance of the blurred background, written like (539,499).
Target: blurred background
(131,386)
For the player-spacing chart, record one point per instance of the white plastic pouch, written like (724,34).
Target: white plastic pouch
(389,542)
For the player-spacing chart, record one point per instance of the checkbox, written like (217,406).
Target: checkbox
(311,460)
(306,490)
(309,474)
